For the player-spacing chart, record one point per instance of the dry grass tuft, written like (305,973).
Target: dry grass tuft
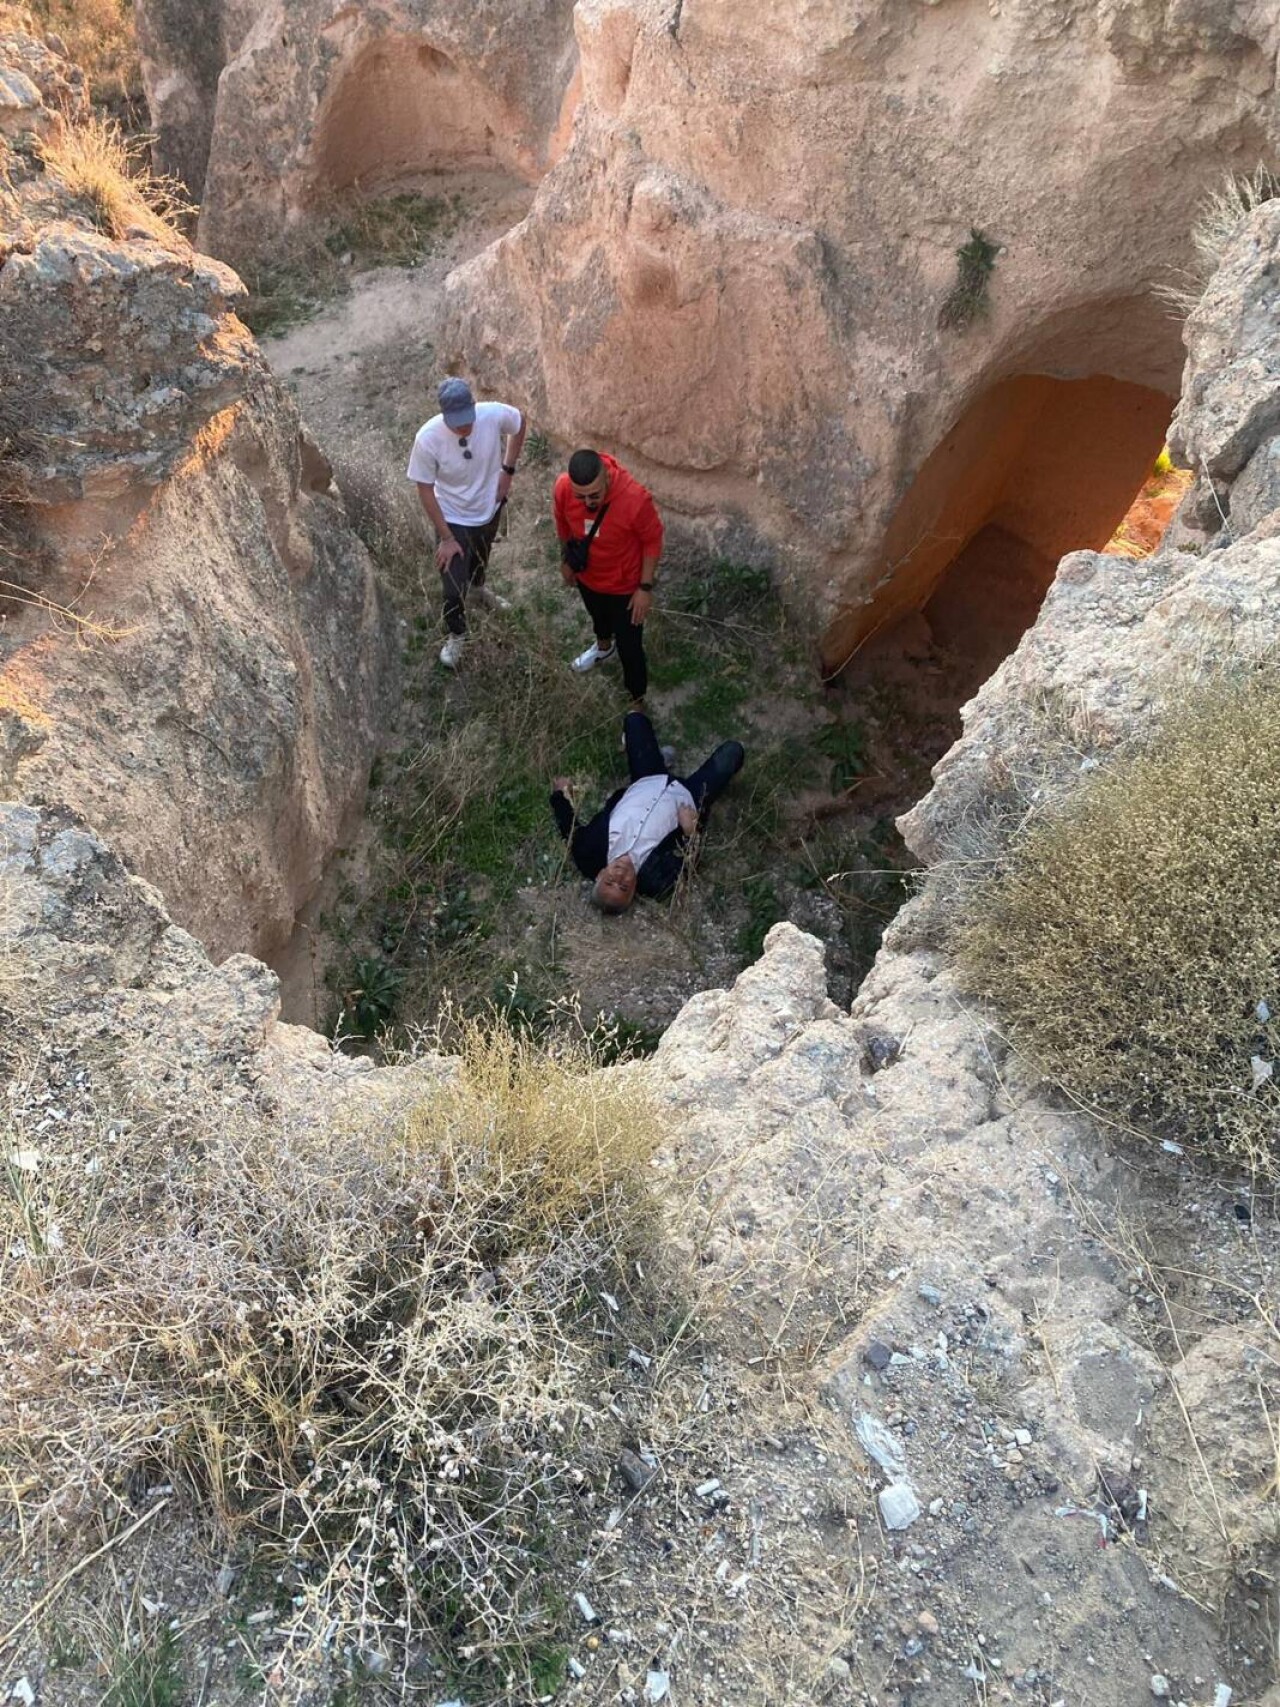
(1221,215)
(1130,941)
(385,1355)
(99,165)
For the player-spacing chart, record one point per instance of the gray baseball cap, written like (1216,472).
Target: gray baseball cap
(457,405)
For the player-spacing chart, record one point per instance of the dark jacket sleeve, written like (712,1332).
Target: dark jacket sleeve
(588,843)
(660,873)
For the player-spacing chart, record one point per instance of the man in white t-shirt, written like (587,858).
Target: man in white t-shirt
(463,461)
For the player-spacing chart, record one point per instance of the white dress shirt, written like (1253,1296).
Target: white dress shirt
(647,813)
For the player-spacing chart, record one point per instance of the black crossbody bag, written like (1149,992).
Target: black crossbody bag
(577,551)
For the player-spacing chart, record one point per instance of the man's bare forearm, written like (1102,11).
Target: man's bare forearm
(435,515)
(514,442)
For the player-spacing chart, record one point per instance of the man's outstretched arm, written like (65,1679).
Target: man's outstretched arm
(588,843)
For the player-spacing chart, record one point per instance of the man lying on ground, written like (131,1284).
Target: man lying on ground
(643,834)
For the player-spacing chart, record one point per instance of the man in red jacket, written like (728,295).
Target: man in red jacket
(610,542)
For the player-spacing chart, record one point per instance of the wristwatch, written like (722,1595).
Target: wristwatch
(507,468)
(646,586)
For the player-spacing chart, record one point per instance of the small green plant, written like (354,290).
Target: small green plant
(370,1000)
(967,300)
(1130,941)
(146,1671)
(764,910)
(293,282)
(538,453)
(392,231)
(845,744)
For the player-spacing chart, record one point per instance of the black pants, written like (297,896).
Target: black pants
(611,619)
(644,758)
(466,568)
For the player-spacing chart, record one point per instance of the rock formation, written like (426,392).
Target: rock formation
(267,112)
(743,273)
(192,649)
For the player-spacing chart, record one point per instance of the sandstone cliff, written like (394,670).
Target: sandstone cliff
(192,650)
(739,274)
(267,112)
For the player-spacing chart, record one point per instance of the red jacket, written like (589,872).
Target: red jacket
(630,532)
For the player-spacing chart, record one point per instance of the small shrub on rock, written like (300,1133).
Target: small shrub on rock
(1132,940)
(102,168)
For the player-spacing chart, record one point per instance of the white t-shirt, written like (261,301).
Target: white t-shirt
(647,812)
(466,489)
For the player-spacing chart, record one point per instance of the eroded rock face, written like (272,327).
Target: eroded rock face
(266,112)
(736,274)
(193,651)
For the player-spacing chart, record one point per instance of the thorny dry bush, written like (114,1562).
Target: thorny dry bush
(380,1355)
(102,167)
(1130,939)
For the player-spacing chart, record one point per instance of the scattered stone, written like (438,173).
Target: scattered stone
(881,1050)
(899,1507)
(930,1294)
(1159,1686)
(656,1685)
(882,1447)
(878,1355)
(927,1623)
(634,1471)
(22,1691)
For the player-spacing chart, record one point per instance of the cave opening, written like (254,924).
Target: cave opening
(1038,466)
(400,109)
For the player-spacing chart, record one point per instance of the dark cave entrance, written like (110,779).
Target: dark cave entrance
(1037,467)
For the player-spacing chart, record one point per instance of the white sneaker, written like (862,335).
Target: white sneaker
(488,599)
(594,655)
(452,650)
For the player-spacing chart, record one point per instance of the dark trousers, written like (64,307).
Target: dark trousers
(708,782)
(466,569)
(611,619)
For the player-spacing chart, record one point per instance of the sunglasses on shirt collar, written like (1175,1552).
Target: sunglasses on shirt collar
(463,443)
